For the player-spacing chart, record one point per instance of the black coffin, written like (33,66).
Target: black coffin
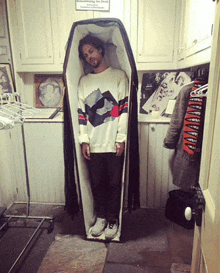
(118,55)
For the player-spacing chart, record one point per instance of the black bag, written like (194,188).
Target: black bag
(176,204)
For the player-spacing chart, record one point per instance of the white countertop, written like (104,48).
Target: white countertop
(149,119)
(43,115)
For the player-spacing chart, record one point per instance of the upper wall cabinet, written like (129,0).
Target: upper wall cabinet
(5,49)
(39,31)
(164,34)
(196,24)
(32,33)
(35,25)
(153,33)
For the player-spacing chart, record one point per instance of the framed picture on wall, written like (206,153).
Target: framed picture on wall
(49,91)
(160,88)
(6,81)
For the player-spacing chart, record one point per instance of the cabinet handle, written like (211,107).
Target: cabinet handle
(195,41)
(153,129)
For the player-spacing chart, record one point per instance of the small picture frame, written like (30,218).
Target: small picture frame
(49,91)
(6,81)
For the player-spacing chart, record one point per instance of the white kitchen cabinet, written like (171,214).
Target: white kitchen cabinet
(153,33)
(117,10)
(164,34)
(34,20)
(45,161)
(196,23)
(32,34)
(7,190)
(39,33)
(5,49)
(12,167)
(155,173)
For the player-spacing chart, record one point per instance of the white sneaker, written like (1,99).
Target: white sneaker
(98,228)
(111,230)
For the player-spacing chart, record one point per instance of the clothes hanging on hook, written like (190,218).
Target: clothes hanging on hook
(194,118)
(185,167)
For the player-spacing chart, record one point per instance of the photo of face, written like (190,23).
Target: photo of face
(170,84)
(50,93)
(5,86)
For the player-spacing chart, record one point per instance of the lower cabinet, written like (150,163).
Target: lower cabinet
(155,173)
(12,167)
(45,161)
(7,169)
(45,164)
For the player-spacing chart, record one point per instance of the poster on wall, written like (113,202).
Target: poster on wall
(49,91)
(160,89)
(95,5)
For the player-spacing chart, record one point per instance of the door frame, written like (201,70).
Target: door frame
(213,102)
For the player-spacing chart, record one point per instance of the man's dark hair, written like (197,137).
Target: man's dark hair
(91,40)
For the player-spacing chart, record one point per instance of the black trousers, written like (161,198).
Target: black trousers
(106,177)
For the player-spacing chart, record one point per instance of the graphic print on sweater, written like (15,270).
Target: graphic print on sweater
(101,108)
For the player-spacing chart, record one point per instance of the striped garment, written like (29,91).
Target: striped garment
(194,121)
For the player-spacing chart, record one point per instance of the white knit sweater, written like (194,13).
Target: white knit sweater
(103,109)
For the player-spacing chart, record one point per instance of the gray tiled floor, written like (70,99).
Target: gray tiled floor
(149,243)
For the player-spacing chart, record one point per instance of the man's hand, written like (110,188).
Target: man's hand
(86,150)
(119,148)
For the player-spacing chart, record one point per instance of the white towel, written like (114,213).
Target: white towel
(6,123)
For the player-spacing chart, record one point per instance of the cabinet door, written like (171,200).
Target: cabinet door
(5,49)
(182,33)
(117,9)
(7,185)
(156,25)
(67,14)
(12,178)
(34,20)
(159,177)
(155,174)
(45,161)
(199,19)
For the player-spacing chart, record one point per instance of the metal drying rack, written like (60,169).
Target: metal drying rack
(12,113)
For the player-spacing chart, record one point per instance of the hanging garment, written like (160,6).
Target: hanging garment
(185,136)
(194,120)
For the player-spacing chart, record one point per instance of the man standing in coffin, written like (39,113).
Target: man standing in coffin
(103,115)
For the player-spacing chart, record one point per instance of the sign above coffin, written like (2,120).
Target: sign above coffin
(96,5)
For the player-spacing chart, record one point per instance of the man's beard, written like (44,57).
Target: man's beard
(95,64)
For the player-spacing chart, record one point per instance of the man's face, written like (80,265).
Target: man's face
(92,55)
